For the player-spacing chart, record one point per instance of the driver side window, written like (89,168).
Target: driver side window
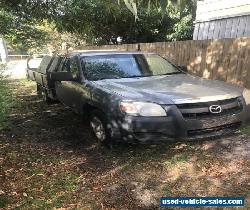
(65,66)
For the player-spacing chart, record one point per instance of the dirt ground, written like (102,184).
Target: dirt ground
(49,160)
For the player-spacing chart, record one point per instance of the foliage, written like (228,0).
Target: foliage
(2,69)
(21,34)
(32,36)
(103,21)
(54,39)
(182,30)
(182,21)
(161,5)
(96,21)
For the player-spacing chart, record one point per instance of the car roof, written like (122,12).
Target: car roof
(104,52)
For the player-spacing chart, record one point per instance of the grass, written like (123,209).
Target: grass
(176,159)
(4,200)
(6,102)
(6,99)
(42,180)
(55,192)
(246,130)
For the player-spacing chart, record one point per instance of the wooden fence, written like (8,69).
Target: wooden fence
(222,59)
(17,57)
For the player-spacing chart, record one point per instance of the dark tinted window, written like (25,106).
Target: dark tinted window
(115,66)
(65,65)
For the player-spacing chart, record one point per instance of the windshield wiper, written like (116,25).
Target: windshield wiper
(171,73)
(138,76)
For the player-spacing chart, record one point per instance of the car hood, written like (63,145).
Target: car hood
(170,89)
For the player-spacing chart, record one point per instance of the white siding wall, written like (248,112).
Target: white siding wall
(217,19)
(214,9)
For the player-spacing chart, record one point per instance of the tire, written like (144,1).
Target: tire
(98,124)
(46,97)
(39,90)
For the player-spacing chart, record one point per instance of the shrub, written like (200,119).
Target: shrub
(6,100)
(2,69)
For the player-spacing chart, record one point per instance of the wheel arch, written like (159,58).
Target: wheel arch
(88,108)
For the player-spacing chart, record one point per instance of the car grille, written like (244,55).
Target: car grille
(209,131)
(201,110)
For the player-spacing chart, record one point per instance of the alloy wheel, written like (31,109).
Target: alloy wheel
(98,129)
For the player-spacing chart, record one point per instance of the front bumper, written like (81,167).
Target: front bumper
(175,127)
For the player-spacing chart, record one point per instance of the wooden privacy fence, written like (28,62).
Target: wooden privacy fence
(222,59)
(17,57)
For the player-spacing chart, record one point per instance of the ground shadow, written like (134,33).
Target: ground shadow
(54,141)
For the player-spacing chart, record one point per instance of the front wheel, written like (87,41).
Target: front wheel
(98,124)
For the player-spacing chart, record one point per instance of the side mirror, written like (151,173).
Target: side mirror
(183,68)
(62,76)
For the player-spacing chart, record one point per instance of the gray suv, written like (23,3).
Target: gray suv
(136,96)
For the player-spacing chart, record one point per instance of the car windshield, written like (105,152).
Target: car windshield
(115,66)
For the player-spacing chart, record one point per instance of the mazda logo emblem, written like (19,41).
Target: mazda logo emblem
(215,109)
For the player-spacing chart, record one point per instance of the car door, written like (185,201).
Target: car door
(74,88)
(81,89)
(61,86)
(66,90)
(85,90)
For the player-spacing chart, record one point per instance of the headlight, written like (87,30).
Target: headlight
(145,109)
(245,93)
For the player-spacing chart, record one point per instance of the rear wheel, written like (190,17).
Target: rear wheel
(45,96)
(98,124)
(39,90)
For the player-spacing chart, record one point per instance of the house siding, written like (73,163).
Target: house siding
(222,19)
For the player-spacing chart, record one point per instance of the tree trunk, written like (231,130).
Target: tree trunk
(3,51)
